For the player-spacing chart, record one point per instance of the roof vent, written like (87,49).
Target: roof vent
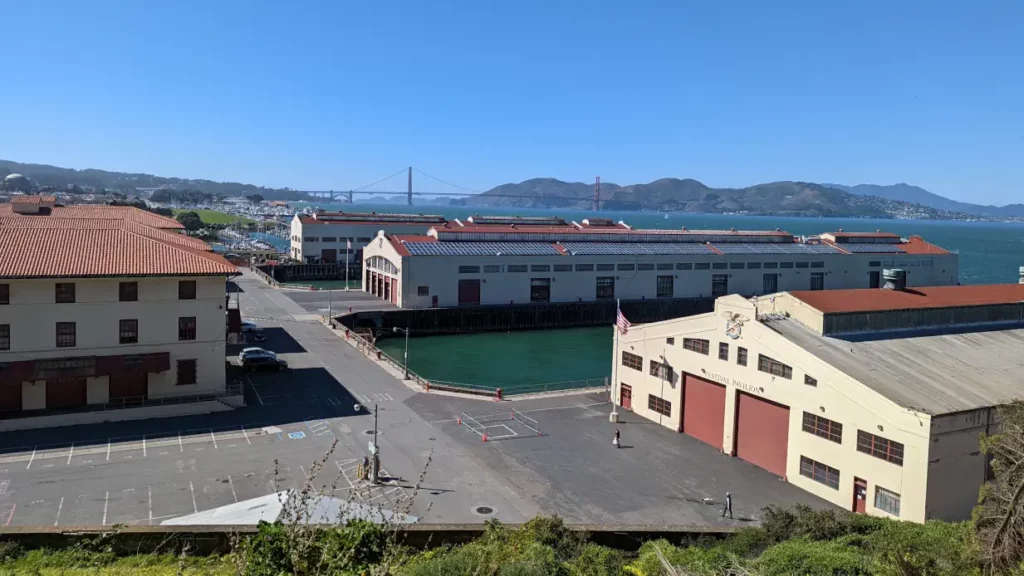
(1021,272)
(895,279)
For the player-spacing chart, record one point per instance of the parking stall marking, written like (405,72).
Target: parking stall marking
(319,427)
(214,493)
(388,492)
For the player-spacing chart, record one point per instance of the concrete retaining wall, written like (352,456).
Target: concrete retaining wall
(145,412)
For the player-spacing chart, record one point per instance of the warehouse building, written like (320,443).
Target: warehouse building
(327,236)
(873,399)
(503,260)
(105,308)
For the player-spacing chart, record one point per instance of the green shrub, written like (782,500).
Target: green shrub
(807,557)
(692,559)
(934,548)
(282,549)
(594,560)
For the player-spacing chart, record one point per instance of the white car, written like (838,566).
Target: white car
(254,352)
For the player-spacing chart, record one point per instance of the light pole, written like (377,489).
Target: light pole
(406,358)
(375,465)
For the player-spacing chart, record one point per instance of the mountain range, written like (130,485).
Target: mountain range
(667,194)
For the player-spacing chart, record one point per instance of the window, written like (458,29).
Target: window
(665,286)
(880,447)
(810,381)
(696,345)
(827,429)
(584,267)
(702,266)
(774,367)
(803,265)
(5,293)
(741,356)
(684,266)
(187,328)
(626,267)
(540,289)
(423,290)
(719,284)
(772,265)
(662,371)
(665,266)
(817,280)
(129,331)
(563,267)
(659,405)
(817,264)
(328,239)
(605,267)
(540,268)
(736,265)
(632,361)
(492,268)
(719,266)
(645,266)
(128,291)
(723,351)
(186,290)
(65,334)
(364,240)
(875,263)
(887,501)
(186,372)
(753,265)
(5,336)
(670,341)
(517,268)
(64,292)
(469,269)
(819,472)
(605,287)
(785,264)
(309,239)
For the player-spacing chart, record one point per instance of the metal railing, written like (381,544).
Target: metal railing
(231,389)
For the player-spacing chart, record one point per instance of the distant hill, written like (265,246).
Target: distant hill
(688,195)
(917,195)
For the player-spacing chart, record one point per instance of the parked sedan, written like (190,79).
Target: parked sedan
(262,362)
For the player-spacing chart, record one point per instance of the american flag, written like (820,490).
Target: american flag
(620,320)
(348,243)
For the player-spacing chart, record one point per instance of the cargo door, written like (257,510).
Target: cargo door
(704,410)
(129,385)
(66,393)
(469,292)
(762,433)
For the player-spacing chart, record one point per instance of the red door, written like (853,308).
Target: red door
(129,385)
(469,292)
(860,495)
(704,410)
(762,433)
(329,255)
(66,393)
(626,396)
(387,289)
(10,397)
(394,291)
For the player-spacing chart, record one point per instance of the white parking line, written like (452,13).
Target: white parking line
(246,436)
(150,505)
(31,459)
(59,507)
(143,446)
(106,501)
(214,439)
(11,515)
(108,449)
(256,392)
(179,442)
(232,484)
(70,453)
(193,491)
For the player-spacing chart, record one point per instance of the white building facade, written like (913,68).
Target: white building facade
(331,236)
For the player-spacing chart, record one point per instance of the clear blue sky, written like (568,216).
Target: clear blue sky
(336,94)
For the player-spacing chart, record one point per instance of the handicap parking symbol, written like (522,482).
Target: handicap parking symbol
(296,435)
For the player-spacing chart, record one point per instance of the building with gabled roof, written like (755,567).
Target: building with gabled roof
(873,399)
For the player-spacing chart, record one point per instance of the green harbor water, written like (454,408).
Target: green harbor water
(509,359)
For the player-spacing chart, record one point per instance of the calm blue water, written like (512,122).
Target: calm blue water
(990,253)
(275,241)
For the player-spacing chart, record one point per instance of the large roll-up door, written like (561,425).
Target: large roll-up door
(762,433)
(129,385)
(704,410)
(469,292)
(10,397)
(66,393)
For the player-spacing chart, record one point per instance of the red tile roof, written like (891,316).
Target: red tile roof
(32,199)
(94,211)
(876,234)
(91,252)
(917,245)
(21,221)
(877,300)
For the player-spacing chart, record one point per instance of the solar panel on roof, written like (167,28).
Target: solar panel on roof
(771,248)
(480,248)
(632,248)
(871,248)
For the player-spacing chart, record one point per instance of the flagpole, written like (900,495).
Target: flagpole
(614,417)
(348,248)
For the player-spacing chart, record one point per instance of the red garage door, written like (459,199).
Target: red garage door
(469,292)
(129,386)
(10,397)
(762,433)
(65,393)
(704,410)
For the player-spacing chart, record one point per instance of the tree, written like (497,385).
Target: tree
(254,198)
(190,220)
(999,517)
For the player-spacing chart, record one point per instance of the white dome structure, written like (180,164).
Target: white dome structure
(17,182)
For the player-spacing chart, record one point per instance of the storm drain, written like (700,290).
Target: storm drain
(483,511)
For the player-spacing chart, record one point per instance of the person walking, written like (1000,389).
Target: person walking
(728,505)
(618,439)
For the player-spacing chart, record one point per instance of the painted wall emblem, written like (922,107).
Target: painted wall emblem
(733,324)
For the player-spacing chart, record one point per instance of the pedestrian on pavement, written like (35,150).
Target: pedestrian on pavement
(618,438)
(366,468)
(728,505)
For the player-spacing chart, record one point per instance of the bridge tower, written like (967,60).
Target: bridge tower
(597,194)
(409,198)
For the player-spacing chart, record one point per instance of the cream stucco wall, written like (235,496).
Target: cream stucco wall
(441,275)
(359,234)
(836,397)
(32,315)
(956,467)
(33,395)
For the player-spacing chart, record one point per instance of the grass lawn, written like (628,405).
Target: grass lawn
(64,564)
(216,217)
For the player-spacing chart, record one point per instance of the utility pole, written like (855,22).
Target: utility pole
(405,359)
(597,194)
(375,465)
(410,186)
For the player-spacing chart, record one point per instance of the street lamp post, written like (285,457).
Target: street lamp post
(405,359)
(375,465)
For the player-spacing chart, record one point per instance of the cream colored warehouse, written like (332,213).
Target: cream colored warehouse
(872,399)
